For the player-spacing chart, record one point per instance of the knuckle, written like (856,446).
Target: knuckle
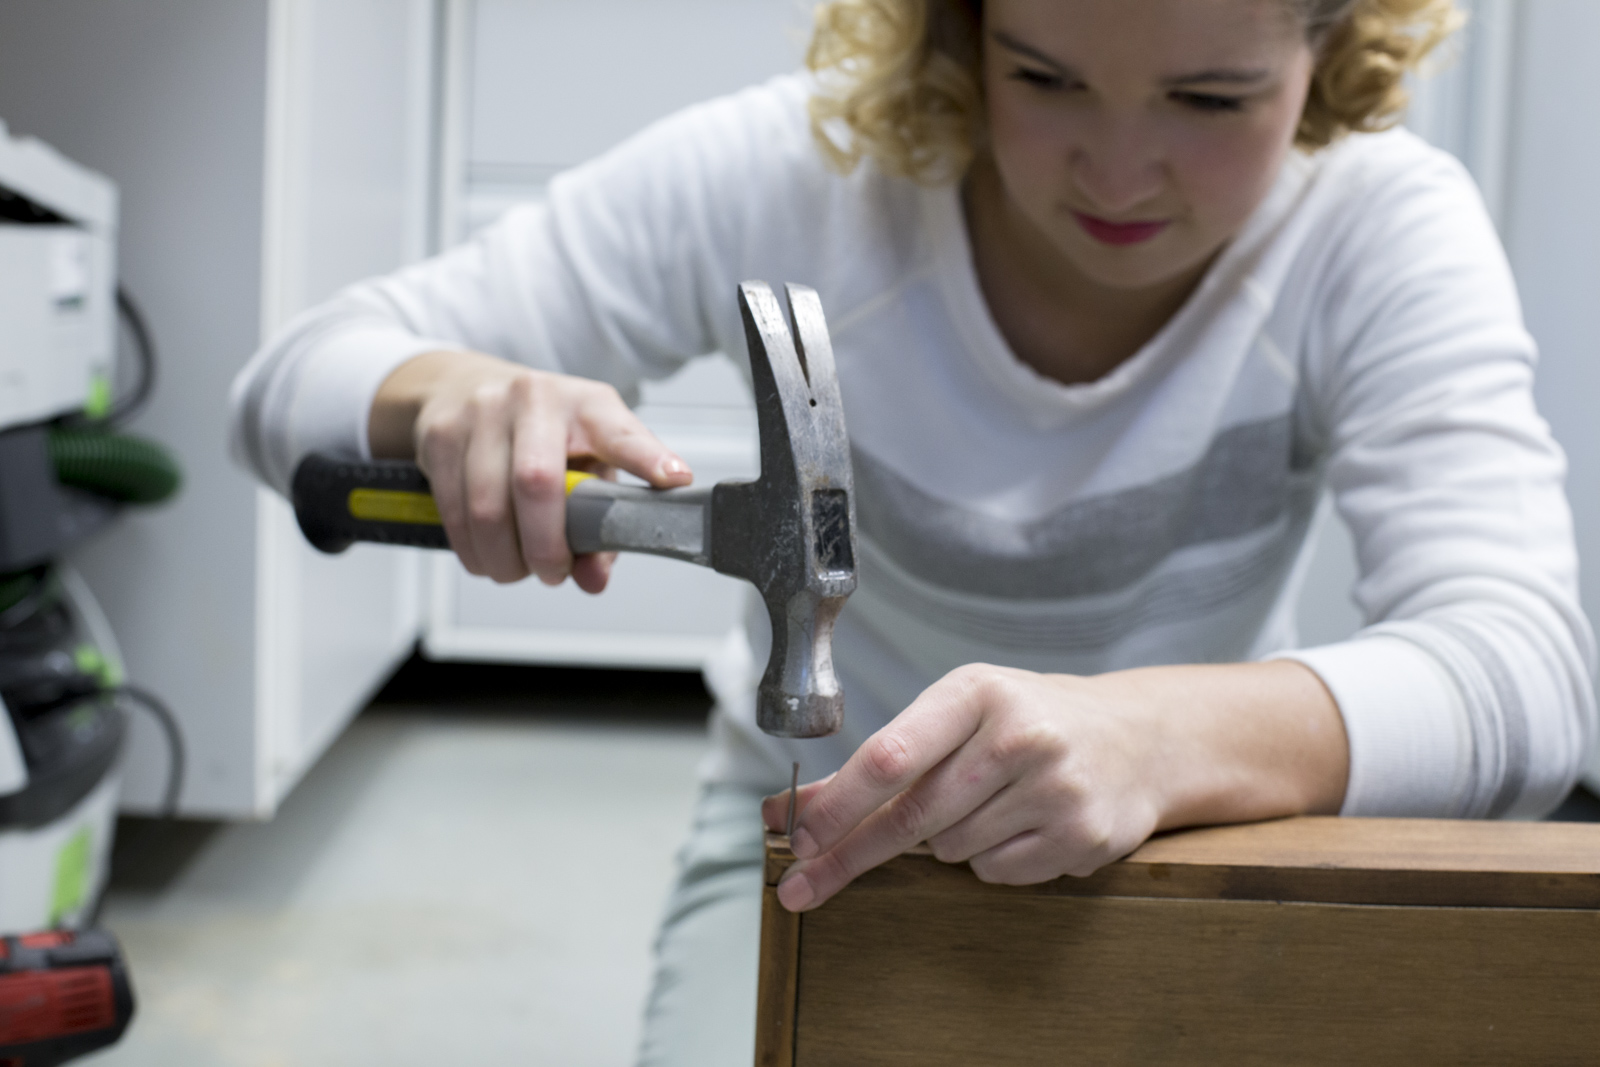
(946,849)
(524,387)
(441,431)
(908,816)
(1092,836)
(488,398)
(819,816)
(1026,742)
(1000,689)
(971,675)
(827,871)
(991,687)
(487,508)
(534,478)
(886,760)
(1072,789)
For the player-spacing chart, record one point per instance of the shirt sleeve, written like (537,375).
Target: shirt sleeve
(1469,693)
(626,270)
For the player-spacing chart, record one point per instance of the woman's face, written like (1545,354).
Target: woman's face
(1137,136)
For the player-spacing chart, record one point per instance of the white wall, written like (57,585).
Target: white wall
(114,85)
(268,152)
(1553,234)
(1521,106)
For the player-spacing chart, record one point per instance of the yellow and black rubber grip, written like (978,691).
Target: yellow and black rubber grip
(339,502)
(387,501)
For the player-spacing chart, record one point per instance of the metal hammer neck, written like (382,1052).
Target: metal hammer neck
(606,517)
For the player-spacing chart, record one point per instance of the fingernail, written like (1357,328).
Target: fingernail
(795,891)
(671,468)
(802,845)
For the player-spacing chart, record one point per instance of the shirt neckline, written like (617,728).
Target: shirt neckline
(1043,401)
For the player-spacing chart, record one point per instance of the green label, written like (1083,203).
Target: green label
(90,661)
(72,876)
(99,400)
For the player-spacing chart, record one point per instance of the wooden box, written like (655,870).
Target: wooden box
(1302,941)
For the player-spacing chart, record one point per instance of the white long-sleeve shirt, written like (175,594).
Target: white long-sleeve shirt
(1362,334)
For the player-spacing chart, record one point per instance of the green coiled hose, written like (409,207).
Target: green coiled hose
(134,470)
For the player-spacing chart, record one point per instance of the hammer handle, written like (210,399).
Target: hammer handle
(338,502)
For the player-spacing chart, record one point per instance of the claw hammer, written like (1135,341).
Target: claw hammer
(790,533)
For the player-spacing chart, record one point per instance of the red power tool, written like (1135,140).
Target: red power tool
(63,993)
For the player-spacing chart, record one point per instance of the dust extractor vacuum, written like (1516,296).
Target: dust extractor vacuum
(66,472)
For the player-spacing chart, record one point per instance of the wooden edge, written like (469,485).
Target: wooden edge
(779,857)
(1465,845)
(1438,862)
(779,981)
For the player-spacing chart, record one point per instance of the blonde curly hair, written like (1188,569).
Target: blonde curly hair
(898,80)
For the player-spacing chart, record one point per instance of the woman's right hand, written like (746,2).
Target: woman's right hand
(495,439)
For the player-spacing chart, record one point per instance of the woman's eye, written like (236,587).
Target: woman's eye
(1038,78)
(1209,101)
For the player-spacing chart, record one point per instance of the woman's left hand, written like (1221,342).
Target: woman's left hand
(1026,776)
(1030,776)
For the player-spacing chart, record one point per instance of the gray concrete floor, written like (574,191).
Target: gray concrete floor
(471,885)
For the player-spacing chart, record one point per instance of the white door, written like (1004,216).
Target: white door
(351,86)
(544,85)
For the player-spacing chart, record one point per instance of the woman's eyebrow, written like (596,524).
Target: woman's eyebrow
(1005,40)
(1229,77)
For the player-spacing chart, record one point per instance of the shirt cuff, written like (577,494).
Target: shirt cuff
(334,394)
(1410,740)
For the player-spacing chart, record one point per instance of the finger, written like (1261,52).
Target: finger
(539,479)
(775,809)
(441,455)
(1025,859)
(997,820)
(1036,856)
(612,433)
(940,799)
(937,723)
(591,572)
(491,521)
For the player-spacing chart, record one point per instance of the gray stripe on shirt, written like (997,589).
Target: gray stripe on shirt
(1246,579)
(1243,483)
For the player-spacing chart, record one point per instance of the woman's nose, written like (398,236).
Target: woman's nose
(1118,167)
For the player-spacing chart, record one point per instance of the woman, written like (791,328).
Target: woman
(1116,288)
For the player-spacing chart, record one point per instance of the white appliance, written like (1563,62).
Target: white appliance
(58,224)
(60,746)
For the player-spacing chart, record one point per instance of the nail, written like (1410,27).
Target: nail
(671,468)
(802,844)
(795,891)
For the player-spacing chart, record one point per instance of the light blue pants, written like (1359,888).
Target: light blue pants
(702,1007)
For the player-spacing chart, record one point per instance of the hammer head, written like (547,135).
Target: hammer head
(791,533)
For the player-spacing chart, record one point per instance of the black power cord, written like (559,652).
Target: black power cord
(144,348)
(176,759)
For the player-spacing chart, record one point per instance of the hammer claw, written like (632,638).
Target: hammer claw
(792,533)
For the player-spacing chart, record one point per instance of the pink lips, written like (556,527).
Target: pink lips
(1118,233)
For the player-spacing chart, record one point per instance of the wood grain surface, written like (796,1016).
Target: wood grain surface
(777,984)
(1304,941)
(1313,860)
